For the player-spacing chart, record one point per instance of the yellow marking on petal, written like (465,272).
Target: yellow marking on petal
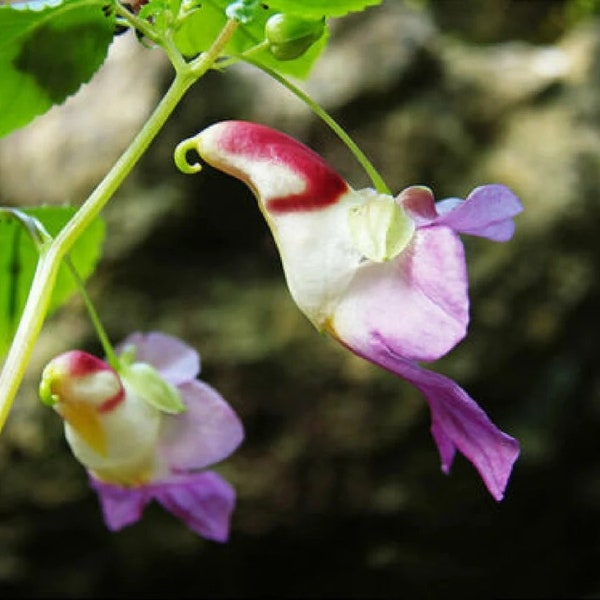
(84,419)
(122,477)
(328,327)
(136,474)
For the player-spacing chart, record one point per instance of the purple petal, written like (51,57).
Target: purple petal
(207,432)
(418,299)
(176,361)
(487,212)
(121,506)
(457,422)
(203,501)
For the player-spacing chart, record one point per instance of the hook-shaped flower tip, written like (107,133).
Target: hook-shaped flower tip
(180,156)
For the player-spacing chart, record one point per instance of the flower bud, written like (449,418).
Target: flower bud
(111,428)
(290,36)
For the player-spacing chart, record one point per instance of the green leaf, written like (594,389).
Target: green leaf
(47,51)
(18,260)
(313,9)
(198,31)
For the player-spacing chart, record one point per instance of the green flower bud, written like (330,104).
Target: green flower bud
(290,36)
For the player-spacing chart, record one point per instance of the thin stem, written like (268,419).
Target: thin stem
(378,182)
(52,254)
(147,31)
(205,61)
(134,21)
(109,185)
(34,228)
(109,351)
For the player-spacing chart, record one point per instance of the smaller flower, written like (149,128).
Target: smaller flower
(147,431)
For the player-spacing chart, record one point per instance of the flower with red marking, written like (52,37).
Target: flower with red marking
(147,430)
(384,276)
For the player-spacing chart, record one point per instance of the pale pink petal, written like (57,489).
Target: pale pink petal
(487,212)
(207,432)
(176,361)
(121,506)
(457,422)
(419,299)
(203,501)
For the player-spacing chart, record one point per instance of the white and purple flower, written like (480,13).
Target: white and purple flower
(384,276)
(147,431)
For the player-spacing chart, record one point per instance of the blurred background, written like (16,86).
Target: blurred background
(339,487)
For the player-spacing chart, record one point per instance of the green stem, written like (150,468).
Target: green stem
(52,254)
(135,22)
(378,182)
(109,351)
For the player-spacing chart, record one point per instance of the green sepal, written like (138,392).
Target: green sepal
(147,383)
(380,229)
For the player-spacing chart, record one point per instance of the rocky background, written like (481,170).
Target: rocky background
(339,488)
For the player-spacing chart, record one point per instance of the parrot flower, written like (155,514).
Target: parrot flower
(147,430)
(386,277)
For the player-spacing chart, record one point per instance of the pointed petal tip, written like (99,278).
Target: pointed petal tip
(458,423)
(496,475)
(508,455)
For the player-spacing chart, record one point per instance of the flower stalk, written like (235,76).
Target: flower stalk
(376,179)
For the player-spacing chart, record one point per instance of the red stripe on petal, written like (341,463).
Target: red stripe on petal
(323,186)
(321,191)
(113,402)
(82,363)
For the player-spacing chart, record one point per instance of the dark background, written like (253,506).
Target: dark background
(340,493)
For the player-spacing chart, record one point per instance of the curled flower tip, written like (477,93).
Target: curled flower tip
(181,156)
